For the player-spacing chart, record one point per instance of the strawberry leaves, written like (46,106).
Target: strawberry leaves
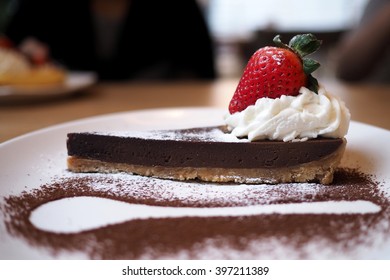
(303,45)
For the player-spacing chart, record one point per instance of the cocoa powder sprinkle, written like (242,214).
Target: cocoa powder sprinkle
(265,236)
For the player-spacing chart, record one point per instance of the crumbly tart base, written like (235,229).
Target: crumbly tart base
(318,171)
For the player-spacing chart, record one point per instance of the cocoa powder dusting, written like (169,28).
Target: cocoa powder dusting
(263,236)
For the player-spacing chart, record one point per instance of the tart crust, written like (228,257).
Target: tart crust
(315,171)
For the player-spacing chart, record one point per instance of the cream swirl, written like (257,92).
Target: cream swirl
(292,118)
(11,62)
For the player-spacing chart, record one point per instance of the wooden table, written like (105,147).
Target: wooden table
(368,103)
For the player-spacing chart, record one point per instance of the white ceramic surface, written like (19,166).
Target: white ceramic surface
(28,161)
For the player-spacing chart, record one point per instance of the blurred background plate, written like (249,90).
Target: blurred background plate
(74,82)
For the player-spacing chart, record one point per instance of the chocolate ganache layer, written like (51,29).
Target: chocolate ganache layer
(206,153)
(197,147)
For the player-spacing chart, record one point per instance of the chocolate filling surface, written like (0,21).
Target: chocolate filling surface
(190,147)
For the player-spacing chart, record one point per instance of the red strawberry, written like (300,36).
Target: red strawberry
(5,42)
(276,71)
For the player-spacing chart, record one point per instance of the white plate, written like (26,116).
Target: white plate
(74,82)
(29,161)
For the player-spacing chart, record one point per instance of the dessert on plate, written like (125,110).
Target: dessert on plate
(282,126)
(17,69)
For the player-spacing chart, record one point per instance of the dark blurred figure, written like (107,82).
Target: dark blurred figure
(118,39)
(364,54)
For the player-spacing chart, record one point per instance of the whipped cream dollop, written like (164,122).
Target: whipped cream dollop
(12,62)
(292,118)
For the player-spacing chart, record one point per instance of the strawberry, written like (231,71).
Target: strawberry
(5,42)
(276,71)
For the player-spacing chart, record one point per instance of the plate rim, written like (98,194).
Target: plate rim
(145,110)
(100,116)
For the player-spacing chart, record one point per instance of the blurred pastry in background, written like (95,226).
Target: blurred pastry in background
(28,65)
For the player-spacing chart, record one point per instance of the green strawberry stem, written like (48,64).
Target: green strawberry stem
(303,45)
(310,65)
(312,84)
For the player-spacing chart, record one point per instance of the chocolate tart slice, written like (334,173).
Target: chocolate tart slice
(207,153)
